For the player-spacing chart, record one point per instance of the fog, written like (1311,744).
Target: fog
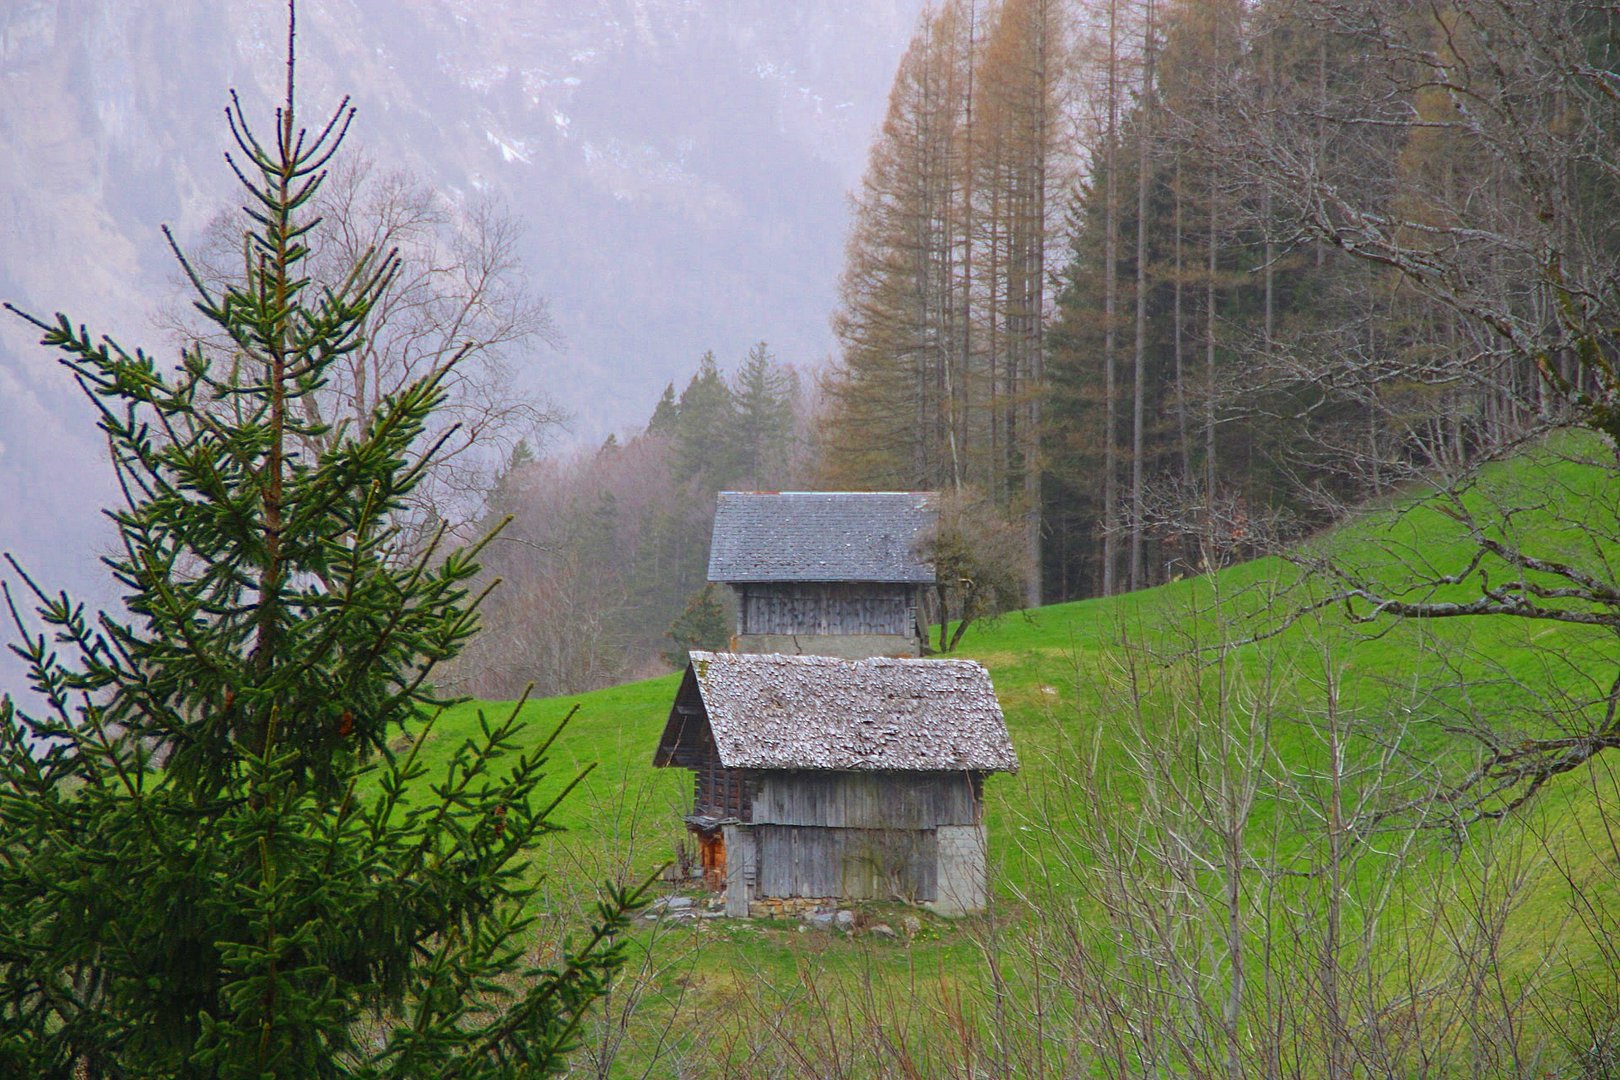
(680,174)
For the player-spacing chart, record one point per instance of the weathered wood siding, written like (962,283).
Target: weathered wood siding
(742,868)
(826,608)
(962,884)
(853,863)
(693,741)
(721,792)
(853,800)
(718,792)
(857,835)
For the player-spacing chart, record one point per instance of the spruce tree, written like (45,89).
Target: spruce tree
(223,855)
(706,425)
(702,625)
(666,414)
(765,395)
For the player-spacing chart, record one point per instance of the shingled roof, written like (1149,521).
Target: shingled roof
(816,712)
(821,536)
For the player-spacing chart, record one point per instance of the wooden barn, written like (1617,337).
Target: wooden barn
(830,573)
(820,778)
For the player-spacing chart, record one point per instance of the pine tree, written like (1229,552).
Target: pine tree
(223,853)
(505,492)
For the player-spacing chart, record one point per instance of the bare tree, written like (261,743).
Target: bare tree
(1111,308)
(1214,898)
(1468,151)
(1503,115)
(981,561)
(460,303)
(1144,166)
(1532,543)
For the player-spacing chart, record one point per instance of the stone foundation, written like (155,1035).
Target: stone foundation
(790,907)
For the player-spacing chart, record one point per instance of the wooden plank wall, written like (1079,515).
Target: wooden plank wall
(693,744)
(859,800)
(857,864)
(830,608)
(718,791)
(857,835)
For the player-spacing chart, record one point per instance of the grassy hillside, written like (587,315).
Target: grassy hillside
(1178,780)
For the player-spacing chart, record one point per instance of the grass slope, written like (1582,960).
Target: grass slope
(1084,687)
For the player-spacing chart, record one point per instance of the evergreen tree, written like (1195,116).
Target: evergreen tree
(666,414)
(705,429)
(504,493)
(703,625)
(223,853)
(765,394)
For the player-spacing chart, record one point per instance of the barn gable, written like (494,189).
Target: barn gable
(830,573)
(720,793)
(686,731)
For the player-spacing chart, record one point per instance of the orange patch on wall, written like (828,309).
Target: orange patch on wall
(712,856)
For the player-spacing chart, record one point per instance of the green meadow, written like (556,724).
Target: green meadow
(1231,781)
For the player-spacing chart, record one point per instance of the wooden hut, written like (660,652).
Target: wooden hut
(831,573)
(820,778)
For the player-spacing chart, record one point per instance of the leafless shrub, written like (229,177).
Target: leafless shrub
(459,305)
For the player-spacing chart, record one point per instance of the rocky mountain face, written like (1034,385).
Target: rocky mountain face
(680,168)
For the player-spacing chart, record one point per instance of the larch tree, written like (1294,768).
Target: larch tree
(1144,134)
(1110,271)
(943,319)
(896,404)
(1497,214)
(1022,74)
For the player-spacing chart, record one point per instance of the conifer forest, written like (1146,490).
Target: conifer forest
(1162,285)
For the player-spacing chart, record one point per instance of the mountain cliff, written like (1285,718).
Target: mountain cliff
(679,170)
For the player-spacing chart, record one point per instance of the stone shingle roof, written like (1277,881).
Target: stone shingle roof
(816,712)
(821,536)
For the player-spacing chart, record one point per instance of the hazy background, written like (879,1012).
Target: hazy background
(680,169)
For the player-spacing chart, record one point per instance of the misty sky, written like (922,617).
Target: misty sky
(680,172)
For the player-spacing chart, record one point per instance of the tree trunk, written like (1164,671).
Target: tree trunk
(1209,366)
(1110,258)
(1144,135)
